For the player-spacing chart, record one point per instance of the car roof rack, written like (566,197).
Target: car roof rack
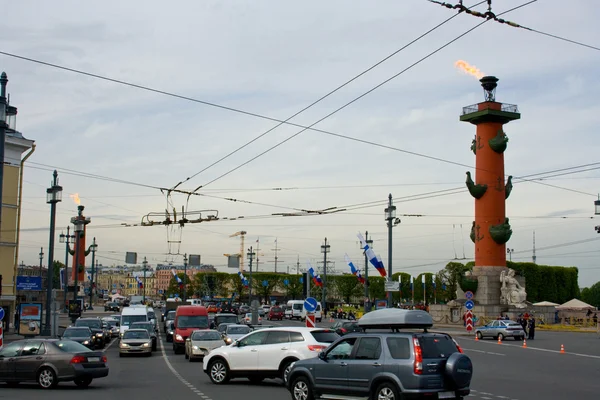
(395,319)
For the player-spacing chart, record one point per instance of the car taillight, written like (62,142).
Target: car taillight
(78,360)
(104,359)
(418,365)
(316,347)
(343,330)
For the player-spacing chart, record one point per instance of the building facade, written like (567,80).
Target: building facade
(14,148)
(164,274)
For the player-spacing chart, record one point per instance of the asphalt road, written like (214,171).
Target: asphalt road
(502,371)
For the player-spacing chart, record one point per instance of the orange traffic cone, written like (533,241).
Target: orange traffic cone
(524,343)
(499,340)
(476,338)
(562,349)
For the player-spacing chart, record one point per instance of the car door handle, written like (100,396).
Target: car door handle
(285,348)
(39,358)
(254,350)
(376,364)
(343,364)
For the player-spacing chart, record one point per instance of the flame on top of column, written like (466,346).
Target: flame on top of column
(469,69)
(76,199)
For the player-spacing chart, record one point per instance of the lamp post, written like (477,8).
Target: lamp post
(390,215)
(53,196)
(185,260)
(509,252)
(325,248)
(145,265)
(66,239)
(250,257)
(3,126)
(367,298)
(41,260)
(92,248)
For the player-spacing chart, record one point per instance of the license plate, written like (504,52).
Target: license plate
(93,359)
(446,395)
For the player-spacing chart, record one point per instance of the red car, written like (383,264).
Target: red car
(275,313)
(212,309)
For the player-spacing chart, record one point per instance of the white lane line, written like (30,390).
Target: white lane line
(537,349)
(177,374)
(109,344)
(484,352)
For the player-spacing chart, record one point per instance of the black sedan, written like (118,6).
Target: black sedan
(50,361)
(112,307)
(82,335)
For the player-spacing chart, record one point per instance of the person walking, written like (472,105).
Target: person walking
(531,328)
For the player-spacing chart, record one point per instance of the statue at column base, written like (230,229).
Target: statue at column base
(511,292)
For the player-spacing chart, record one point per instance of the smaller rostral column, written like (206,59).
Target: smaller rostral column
(79,252)
(491,229)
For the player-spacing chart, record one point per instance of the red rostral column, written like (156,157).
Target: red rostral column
(79,251)
(491,229)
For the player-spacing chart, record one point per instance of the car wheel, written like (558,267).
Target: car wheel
(479,335)
(285,371)
(46,378)
(501,336)
(386,391)
(301,389)
(83,382)
(219,372)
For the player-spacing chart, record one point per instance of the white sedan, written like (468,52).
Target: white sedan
(248,319)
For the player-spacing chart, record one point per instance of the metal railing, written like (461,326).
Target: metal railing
(512,108)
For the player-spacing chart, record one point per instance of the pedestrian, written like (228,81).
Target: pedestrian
(531,328)
(524,324)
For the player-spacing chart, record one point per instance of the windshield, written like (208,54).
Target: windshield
(238,330)
(206,335)
(151,315)
(136,335)
(129,319)
(82,333)
(89,323)
(276,310)
(69,346)
(144,325)
(219,319)
(297,306)
(192,321)
(171,315)
(111,324)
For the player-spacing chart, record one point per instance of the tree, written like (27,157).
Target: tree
(238,286)
(451,276)
(56,278)
(293,287)
(264,284)
(377,287)
(591,295)
(175,289)
(347,286)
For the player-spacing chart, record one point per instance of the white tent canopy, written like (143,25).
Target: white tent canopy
(117,297)
(545,304)
(575,305)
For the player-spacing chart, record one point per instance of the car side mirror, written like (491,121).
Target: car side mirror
(188,340)
(323,356)
(59,337)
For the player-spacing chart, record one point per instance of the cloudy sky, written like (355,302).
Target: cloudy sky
(115,145)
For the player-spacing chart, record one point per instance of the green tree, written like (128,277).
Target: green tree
(238,286)
(264,283)
(451,276)
(56,276)
(174,287)
(591,295)
(347,286)
(294,287)
(376,287)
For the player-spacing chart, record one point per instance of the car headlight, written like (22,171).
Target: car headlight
(179,338)
(195,348)
(146,345)
(86,342)
(228,341)
(99,334)
(123,345)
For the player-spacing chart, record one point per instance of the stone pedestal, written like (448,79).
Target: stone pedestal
(488,284)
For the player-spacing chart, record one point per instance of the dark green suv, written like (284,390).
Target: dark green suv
(395,357)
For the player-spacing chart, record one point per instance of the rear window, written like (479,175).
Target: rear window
(325,336)
(171,315)
(437,346)
(276,309)
(69,346)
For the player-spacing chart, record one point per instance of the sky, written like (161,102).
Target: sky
(115,145)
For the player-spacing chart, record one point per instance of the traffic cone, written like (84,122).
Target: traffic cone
(562,349)
(524,343)
(476,338)
(499,340)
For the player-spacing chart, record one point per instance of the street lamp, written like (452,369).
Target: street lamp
(3,126)
(185,260)
(53,196)
(92,248)
(325,248)
(390,215)
(66,239)
(367,298)
(41,260)
(509,252)
(145,264)
(250,256)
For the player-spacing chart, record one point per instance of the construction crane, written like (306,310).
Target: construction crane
(241,234)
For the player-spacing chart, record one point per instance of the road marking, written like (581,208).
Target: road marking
(109,344)
(484,352)
(177,374)
(538,349)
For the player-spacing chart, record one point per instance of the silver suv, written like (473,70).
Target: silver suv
(386,362)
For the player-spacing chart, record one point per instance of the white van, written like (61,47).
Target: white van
(132,314)
(318,313)
(195,302)
(293,309)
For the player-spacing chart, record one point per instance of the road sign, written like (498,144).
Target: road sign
(310,320)
(1,313)
(469,295)
(392,286)
(469,321)
(310,304)
(469,304)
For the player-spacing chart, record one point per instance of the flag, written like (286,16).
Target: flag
(243,278)
(373,259)
(177,278)
(315,277)
(139,282)
(354,270)
(89,276)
